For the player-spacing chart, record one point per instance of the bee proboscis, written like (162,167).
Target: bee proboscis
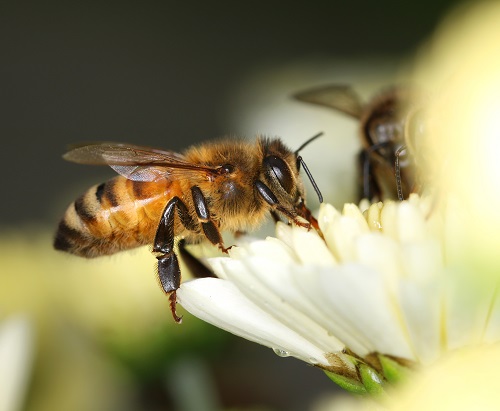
(160,196)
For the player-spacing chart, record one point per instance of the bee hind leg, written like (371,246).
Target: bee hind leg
(169,275)
(169,272)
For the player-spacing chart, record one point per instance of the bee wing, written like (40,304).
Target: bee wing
(339,97)
(138,163)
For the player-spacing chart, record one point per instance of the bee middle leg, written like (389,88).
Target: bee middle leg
(169,272)
(208,226)
(367,186)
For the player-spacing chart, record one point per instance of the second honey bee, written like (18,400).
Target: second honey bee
(387,170)
(160,196)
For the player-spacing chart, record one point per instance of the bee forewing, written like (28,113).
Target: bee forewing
(136,163)
(121,154)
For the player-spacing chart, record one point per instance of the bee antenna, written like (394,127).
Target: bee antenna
(311,179)
(308,141)
(300,162)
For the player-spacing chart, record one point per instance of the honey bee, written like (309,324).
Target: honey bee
(386,166)
(161,196)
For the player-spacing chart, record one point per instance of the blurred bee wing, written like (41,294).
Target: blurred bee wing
(338,97)
(137,163)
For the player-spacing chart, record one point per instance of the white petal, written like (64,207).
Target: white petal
(221,303)
(271,248)
(284,233)
(372,215)
(310,248)
(421,307)
(328,214)
(217,266)
(381,253)
(422,261)
(388,219)
(352,211)
(274,290)
(411,223)
(340,237)
(354,299)
(281,296)
(16,352)
(420,297)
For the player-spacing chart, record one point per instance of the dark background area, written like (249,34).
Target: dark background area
(156,73)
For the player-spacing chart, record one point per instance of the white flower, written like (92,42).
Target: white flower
(16,355)
(387,281)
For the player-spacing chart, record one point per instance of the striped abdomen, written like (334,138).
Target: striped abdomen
(117,215)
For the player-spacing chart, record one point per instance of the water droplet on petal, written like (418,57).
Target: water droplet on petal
(281,353)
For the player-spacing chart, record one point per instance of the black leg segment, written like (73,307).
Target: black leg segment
(169,272)
(266,193)
(200,204)
(210,230)
(368,187)
(169,275)
(271,199)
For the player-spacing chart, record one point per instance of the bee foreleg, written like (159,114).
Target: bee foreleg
(209,228)
(169,272)
(271,199)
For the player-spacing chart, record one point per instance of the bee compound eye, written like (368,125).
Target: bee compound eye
(280,170)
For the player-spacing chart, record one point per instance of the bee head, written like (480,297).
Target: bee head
(281,171)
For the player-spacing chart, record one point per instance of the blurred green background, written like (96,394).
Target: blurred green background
(165,74)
